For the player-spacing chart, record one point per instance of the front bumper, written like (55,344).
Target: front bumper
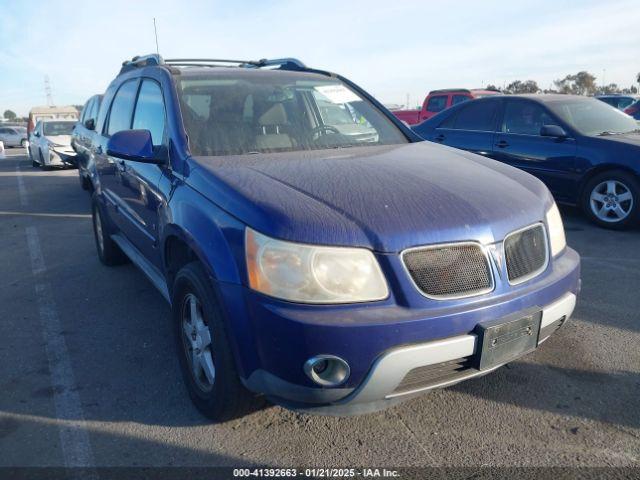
(383,342)
(61,158)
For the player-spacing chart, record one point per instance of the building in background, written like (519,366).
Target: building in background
(51,113)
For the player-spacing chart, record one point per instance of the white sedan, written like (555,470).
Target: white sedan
(50,144)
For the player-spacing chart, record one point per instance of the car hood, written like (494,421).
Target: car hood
(385,198)
(64,140)
(626,138)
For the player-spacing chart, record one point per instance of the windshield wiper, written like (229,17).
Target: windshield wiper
(607,133)
(635,130)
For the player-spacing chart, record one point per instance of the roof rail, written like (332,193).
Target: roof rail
(142,61)
(284,63)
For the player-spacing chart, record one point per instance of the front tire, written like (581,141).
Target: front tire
(108,251)
(206,360)
(611,200)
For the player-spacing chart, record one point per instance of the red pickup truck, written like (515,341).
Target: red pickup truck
(438,100)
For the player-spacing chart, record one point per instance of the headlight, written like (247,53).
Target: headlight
(556,230)
(312,274)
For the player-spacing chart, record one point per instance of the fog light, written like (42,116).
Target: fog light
(327,370)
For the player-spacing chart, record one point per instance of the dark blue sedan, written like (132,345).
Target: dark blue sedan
(587,152)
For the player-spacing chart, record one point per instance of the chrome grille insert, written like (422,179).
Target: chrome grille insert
(447,271)
(526,253)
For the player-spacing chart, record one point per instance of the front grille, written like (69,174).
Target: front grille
(525,253)
(449,271)
(431,375)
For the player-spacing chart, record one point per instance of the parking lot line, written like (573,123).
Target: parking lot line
(75,441)
(24,199)
(55,215)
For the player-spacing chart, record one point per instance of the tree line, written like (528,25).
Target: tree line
(581,83)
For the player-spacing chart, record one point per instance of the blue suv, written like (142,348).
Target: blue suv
(314,251)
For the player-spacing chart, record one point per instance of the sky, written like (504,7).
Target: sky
(391,48)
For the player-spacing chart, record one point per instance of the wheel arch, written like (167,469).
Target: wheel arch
(601,168)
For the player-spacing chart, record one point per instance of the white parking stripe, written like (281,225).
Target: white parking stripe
(75,441)
(76,448)
(24,199)
(51,215)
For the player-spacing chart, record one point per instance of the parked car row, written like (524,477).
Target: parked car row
(439,100)
(13,136)
(621,102)
(50,144)
(313,248)
(585,151)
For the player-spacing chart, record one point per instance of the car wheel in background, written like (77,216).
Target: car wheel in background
(23,143)
(30,157)
(611,199)
(207,364)
(84,181)
(42,165)
(108,251)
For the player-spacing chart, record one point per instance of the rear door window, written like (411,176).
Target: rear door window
(437,103)
(477,116)
(122,107)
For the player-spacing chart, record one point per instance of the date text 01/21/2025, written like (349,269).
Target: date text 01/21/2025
(316,472)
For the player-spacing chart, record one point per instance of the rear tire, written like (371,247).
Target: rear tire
(206,360)
(23,143)
(108,251)
(611,200)
(84,181)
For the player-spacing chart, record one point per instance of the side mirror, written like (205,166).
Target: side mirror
(134,145)
(553,131)
(90,124)
(36,134)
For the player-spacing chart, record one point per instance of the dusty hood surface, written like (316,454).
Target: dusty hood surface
(64,140)
(385,198)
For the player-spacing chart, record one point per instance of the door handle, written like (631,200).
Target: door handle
(502,144)
(440,138)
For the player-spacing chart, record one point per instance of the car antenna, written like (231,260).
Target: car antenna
(155,31)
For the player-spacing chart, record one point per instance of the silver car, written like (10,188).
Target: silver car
(12,136)
(50,144)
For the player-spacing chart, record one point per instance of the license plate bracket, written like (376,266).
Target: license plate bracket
(505,339)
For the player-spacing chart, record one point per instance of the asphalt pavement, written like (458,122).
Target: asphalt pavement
(89,375)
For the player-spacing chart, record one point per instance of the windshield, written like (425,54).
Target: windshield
(259,112)
(593,117)
(57,128)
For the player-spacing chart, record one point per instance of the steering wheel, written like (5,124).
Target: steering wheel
(321,130)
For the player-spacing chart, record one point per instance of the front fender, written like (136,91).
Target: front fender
(213,235)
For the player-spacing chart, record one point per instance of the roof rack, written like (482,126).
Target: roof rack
(284,63)
(156,59)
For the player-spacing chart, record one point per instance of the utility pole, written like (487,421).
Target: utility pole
(47,91)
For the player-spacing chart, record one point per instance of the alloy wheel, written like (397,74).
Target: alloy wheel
(611,201)
(197,341)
